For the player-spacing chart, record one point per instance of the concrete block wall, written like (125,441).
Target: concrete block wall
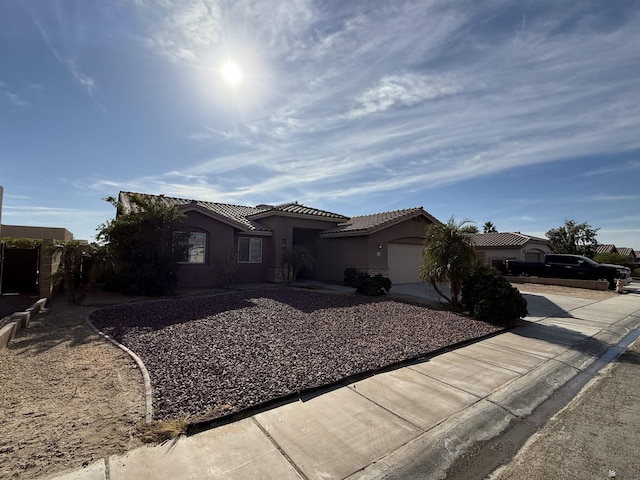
(19,320)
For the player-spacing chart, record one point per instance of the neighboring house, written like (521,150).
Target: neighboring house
(387,243)
(606,248)
(495,248)
(629,253)
(29,270)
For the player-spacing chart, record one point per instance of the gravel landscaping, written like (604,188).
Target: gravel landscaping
(215,355)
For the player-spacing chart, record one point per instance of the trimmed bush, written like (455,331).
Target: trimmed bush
(490,297)
(365,284)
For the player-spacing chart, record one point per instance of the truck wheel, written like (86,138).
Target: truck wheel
(612,283)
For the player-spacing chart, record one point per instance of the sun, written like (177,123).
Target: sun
(231,73)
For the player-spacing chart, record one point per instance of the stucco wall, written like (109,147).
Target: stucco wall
(340,253)
(282,228)
(50,233)
(368,252)
(220,241)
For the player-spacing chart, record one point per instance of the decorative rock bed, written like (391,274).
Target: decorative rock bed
(211,356)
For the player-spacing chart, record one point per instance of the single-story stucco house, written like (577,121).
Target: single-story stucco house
(495,248)
(29,269)
(389,243)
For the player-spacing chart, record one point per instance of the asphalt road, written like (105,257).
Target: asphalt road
(596,436)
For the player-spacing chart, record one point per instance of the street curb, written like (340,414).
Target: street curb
(430,454)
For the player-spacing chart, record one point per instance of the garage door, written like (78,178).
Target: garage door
(404,261)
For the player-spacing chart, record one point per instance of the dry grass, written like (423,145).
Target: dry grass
(162,430)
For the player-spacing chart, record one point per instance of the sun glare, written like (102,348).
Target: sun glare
(231,73)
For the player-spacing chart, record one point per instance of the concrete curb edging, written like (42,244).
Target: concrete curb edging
(430,454)
(148,392)
(19,320)
(7,333)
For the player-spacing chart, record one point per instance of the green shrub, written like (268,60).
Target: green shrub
(365,284)
(490,297)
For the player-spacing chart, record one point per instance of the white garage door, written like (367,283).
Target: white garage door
(404,260)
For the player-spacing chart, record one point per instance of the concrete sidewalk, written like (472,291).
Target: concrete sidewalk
(418,419)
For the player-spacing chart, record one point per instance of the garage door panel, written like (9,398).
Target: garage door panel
(404,262)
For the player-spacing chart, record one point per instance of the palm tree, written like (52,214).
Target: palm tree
(448,256)
(489,227)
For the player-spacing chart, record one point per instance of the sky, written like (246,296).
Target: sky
(522,113)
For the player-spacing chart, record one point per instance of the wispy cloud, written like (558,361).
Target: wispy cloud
(629,166)
(402,90)
(12,97)
(401,96)
(16,99)
(59,52)
(181,29)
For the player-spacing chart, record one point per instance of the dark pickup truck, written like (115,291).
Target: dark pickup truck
(569,266)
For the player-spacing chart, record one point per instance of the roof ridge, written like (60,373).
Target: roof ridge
(189,200)
(388,211)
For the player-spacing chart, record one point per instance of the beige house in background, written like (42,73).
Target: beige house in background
(495,248)
(389,243)
(37,264)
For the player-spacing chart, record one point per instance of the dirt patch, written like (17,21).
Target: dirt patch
(565,291)
(68,397)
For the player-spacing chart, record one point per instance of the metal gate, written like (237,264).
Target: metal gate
(19,269)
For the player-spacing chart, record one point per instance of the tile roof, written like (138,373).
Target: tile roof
(298,209)
(606,248)
(626,251)
(503,239)
(376,221)
(248,217)
(243,215)
(236,213)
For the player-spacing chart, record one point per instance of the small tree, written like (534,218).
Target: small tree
(139,245)
(70,272)
(574,238)
(293,260)
(489,227)
(448,256)
(226,267)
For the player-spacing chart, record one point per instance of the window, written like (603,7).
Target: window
(249,250)
(190,246)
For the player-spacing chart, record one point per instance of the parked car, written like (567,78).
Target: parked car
(570,266)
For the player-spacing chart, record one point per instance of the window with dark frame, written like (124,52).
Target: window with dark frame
(249,250)
(190,247)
